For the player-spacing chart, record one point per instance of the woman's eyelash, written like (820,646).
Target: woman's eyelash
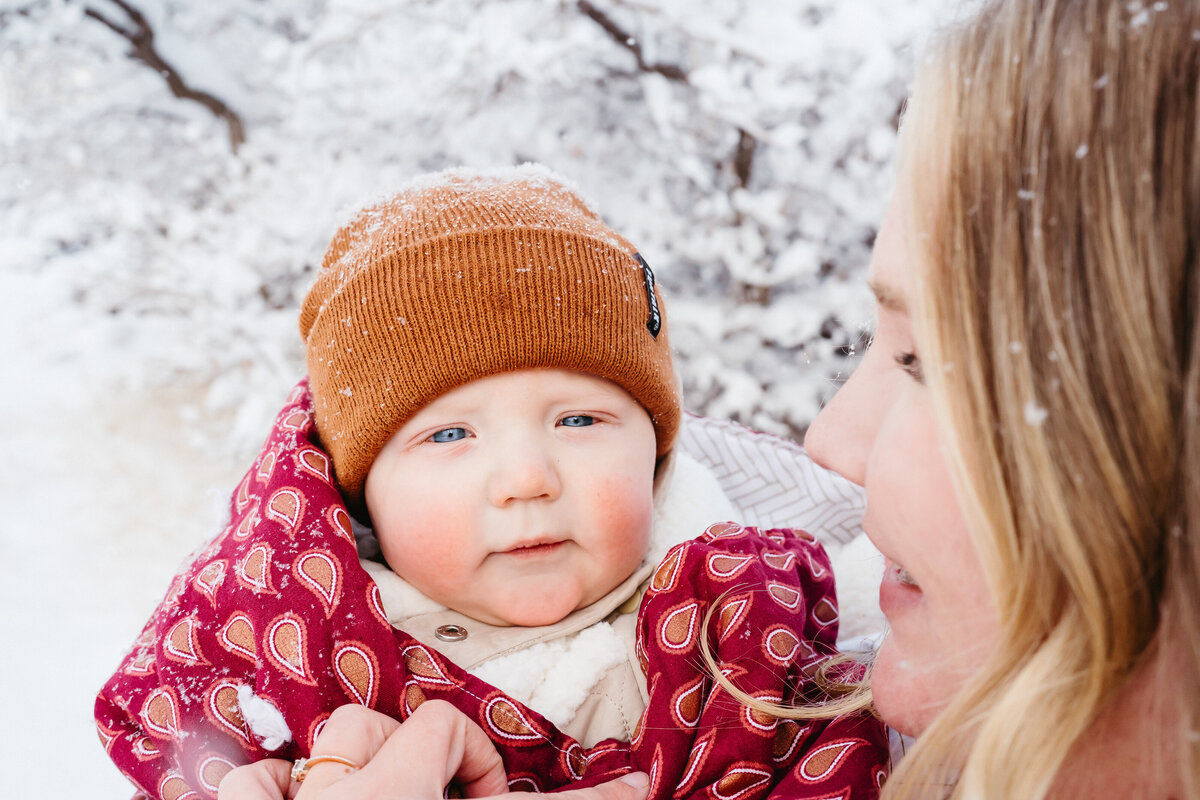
(911,364)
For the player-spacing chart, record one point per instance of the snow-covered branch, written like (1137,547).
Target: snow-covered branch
(140,35)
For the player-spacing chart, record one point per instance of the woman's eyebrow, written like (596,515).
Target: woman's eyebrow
(887,296)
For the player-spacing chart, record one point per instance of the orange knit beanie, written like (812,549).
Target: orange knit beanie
(468,274)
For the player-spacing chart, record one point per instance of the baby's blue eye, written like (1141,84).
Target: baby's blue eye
(449,435)
(578,421)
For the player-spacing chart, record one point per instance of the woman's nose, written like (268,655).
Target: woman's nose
(840,438)
(525,472)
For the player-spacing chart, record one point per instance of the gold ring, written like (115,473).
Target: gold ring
(302,765)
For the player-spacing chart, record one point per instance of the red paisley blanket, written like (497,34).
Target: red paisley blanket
(278,604)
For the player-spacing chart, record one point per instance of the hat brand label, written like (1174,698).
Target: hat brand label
(654,321)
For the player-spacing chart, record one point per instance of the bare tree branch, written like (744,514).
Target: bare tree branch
(630,43)
(743,157)
(141,39)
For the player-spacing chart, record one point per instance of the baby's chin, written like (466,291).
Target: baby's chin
(532,611)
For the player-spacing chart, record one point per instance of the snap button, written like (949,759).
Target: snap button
(451,633)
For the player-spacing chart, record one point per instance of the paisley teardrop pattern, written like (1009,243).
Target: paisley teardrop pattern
(741,780)
(687,703)
(780,644)
(787,596)
(524,782)
(639,650)
(174,787)
(314,462)
(414,696)
(339,519)
(285,643)
(810,660)
(694,767)
(724,567)
(145,749)
(780,561)
(147,638)
(266,467)
(160,713)
(315,728)
(237,636)
(677,631)
(212,769)
(107,735)
(508,722)
(141,664)
(180,644)
(656,769)
(574,761)
(638,730)
(760,722)
(667,574)
(375,603)
(825,760)
(788,737)
(723,530)
(241,496)
(424,666)
(318,572)
(209,579)
(733,611)
(286,507)
(175,593)
(223,710)
(814,566)
(245,527)
(295,421)
(253,571)
(357,670)
(825,612)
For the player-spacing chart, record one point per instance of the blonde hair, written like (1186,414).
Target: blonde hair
(1055,246)
(1050,156)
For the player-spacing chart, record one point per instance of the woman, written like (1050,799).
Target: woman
(1026,423)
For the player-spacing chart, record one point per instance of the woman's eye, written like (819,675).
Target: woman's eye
(578,421)
(910,363)
(449,435)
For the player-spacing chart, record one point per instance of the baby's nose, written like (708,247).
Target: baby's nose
(529,473)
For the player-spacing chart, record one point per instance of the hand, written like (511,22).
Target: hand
(437,745)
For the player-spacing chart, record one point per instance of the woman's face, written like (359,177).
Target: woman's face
(879,432)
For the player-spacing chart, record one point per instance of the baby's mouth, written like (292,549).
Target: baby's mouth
(534,549)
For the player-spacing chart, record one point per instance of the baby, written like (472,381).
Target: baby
(490,396)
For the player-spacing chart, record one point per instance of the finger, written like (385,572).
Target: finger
(263,780)
(353,732)
(436,745)
(634,786)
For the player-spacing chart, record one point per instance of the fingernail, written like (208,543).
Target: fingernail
(638,780)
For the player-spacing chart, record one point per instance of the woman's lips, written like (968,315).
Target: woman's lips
(897,591)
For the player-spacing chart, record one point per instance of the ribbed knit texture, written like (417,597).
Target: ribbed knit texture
(464,275)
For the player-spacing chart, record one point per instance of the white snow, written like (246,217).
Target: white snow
(150,278)
(264,719)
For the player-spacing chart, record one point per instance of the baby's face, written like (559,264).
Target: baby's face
(517,498)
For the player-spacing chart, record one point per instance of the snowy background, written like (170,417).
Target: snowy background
(154,247)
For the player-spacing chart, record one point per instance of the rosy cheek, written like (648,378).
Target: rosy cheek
(624,507)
